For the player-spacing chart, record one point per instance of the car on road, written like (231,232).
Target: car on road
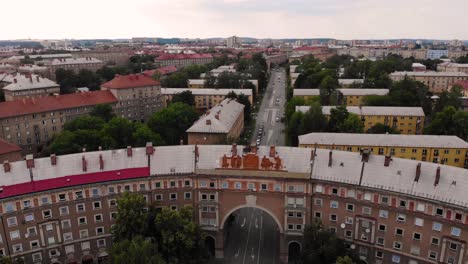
(277,119)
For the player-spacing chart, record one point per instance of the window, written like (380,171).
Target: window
(251,186)
(212,185)
(277,187)
(157,185)
(403,203)
(70,249)
(264,186)
(80,208)
(203,184)
(349,220)
(95,192)
(415,250)
(14,234)
(111,190)
(432,255)
(188,195)
(173,184)
(96,205)
(212,197)
(334,204)
(49,228)
(318,188)
(453,246)
(383,213)
(439,212)
(397,245)
(17,248)
(46,214)
(187,183)
(350,207)
(436,226)
(458,216)
(112,203)
(348,233)
(382,227)
(113,215)
(401,218)
(335,191)
(79,195)
(31,231)
(420,207)
(101,243)
(37,257)
(318,202)
(26,204)
(418,221)
(380,241)
(13,222)
(44,200)
(416,236)
(351,193)
(62,197)
(225,185)
(318,214)
(367,196)
(82,220)
(333,217)
(379,254)
(85,246)
(455,231)
(399,232)
(100,231)
(173,196)
(142,187)
(84,233)
(63,210)
(366,210)
(384,199)
(66,224)
(98,218)
(238,185)
(435,241)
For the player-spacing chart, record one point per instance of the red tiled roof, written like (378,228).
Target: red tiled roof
(7,147)
(73,180)
(54,103)
(305,48)
(162,71)
(184,56)
(130,81)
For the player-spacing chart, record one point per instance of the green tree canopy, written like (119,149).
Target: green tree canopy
(338,116)
(185,97)
(135,251)
(84,123)
(352,124)
(449,122)
(313,120)
(452,98)
(172,122)
(103,111)
(380,128)
(131,217)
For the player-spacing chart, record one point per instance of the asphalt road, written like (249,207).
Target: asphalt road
(271,111)
(252,238)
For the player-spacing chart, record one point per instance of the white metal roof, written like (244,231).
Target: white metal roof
(205,91)
(429,73)
(344,91)
(66,61)
(24,82)
(391,140)
(372,110)
(221,118)
(349,81)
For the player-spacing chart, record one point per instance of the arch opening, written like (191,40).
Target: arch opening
(294,252)
(210,243)
(251,234)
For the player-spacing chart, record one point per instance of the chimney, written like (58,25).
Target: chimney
(53,160)
(234,149)
(84,163)
(6,166)
(330,158)
(149,148)
(437,178)
(101,162)
(208,122)
(365,155)
(37,78)
(29,161)
(272,151)
(181,142)
(387,160)
(418,172)
(217,116)
(129,151)
(31,78)
(15,80)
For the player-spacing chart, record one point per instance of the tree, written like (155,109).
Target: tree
(409,92)
(345,260)
(327,88)
(103,111)
(180,240)
(294,126)
(9,260)
(87,78)
(377,100)
(321,246)
(66,80)
(84,123)
(64,143)
(135,251)
(352,124)
(338,116)
(313,120)
(131,217)
(380,128)
(172,122)
(120,132)
(449,122)
(185,97)
(452,98)
(291,106)
(244,99)
(143,134)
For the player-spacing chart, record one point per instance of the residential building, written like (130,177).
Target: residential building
(107,57)
(390,210)
(9,152)
(31,123)
(163,71)
(33,69)
(452,67)
(20,86)
(233,42)
(7,68)
(42,58)
(139,96)
(437,54)
(349,83)
(407,120)
(448,150)
(437,82)
(352,97)
(200,83)
(206,98)
(183,60)
(221,123)
(74,64)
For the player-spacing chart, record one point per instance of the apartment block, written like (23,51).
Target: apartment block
(352,97)
(437,82)
(21,86)
(183,60)
(407,120)
(74,64)
(448,150)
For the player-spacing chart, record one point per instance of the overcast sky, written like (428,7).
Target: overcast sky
(342,19)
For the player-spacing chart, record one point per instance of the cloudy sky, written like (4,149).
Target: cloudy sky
(342,19)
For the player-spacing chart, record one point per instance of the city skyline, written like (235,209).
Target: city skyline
(361,19)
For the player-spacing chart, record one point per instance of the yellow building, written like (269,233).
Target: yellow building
(205,98)
(407,120)
(449,150)
(196,83)
(437,82)
(352,97)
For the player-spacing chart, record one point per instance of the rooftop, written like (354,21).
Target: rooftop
(372,110)
(43,56)
(349,81)
(205,91)
(130,81)
(183,56)
(218,119)
(361,92)
(20,82)
(54,103)
(163,71)
(66,61)
(7,147)
(345,167)
(391,140)
(31,67)
(429,73)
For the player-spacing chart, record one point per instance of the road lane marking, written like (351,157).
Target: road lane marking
(243,224)
(260,240)
(256,223)
(237,254)
(248,237)
(252,255)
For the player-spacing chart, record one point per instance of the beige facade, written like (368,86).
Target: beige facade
(206,98)
(107,57)
(452,67)
(74,64)
(437,82)
(23,86)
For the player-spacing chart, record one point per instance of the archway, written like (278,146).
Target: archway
(252,235)
(294,252)
(210,243)
(87,259)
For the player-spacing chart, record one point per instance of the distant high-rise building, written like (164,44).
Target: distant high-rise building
(233,42)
